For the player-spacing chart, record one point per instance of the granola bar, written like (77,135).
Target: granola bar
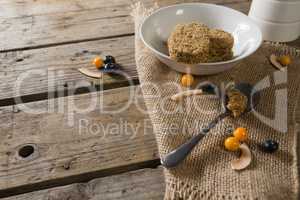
(189,43)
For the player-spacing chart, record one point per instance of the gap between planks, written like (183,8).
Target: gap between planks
(135,185)
(65,59)
(62,93)
(65,43)
(52,72)
(80,178)
(69,148)
(67,24)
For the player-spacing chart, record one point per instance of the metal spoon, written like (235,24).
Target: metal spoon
(178,155)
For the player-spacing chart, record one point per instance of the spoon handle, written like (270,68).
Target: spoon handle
(178,155)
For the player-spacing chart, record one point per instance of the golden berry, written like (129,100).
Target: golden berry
(98,62)
(285,60)
(232,144)
(187,80)
(241,134)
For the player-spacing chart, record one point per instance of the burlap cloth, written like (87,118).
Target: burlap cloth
(206,173)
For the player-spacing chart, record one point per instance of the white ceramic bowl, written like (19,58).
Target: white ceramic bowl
(287,11)
(156,29)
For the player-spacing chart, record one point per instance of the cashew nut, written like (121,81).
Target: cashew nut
(244,160)
(90,73)
(275,63)
(187,93)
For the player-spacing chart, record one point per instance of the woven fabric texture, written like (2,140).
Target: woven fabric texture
(206,173)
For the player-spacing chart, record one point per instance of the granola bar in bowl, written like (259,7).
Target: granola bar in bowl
(199,38)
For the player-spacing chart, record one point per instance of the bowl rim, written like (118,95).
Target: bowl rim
(200,4)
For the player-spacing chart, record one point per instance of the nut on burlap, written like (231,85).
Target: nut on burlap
(206,173)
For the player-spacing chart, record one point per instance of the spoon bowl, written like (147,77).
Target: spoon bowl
(249,91)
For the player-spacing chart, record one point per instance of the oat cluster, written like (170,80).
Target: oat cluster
(195,43)
(237,103)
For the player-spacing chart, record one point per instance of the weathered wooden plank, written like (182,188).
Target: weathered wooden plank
(26,24)
(17,8)
(135,185)
(53,69)
(76,138)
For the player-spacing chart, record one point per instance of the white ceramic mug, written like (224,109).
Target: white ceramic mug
(276,10)
(279,20)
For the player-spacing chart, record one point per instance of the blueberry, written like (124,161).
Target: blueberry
(209,88)
(111,67)
(270,146)
(109,59)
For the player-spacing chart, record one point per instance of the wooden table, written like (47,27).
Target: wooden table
(57,152)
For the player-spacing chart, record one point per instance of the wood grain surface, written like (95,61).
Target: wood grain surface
(53,69)
(135,185)
(76,138)
(66,140)
(48,72)
(27,24)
